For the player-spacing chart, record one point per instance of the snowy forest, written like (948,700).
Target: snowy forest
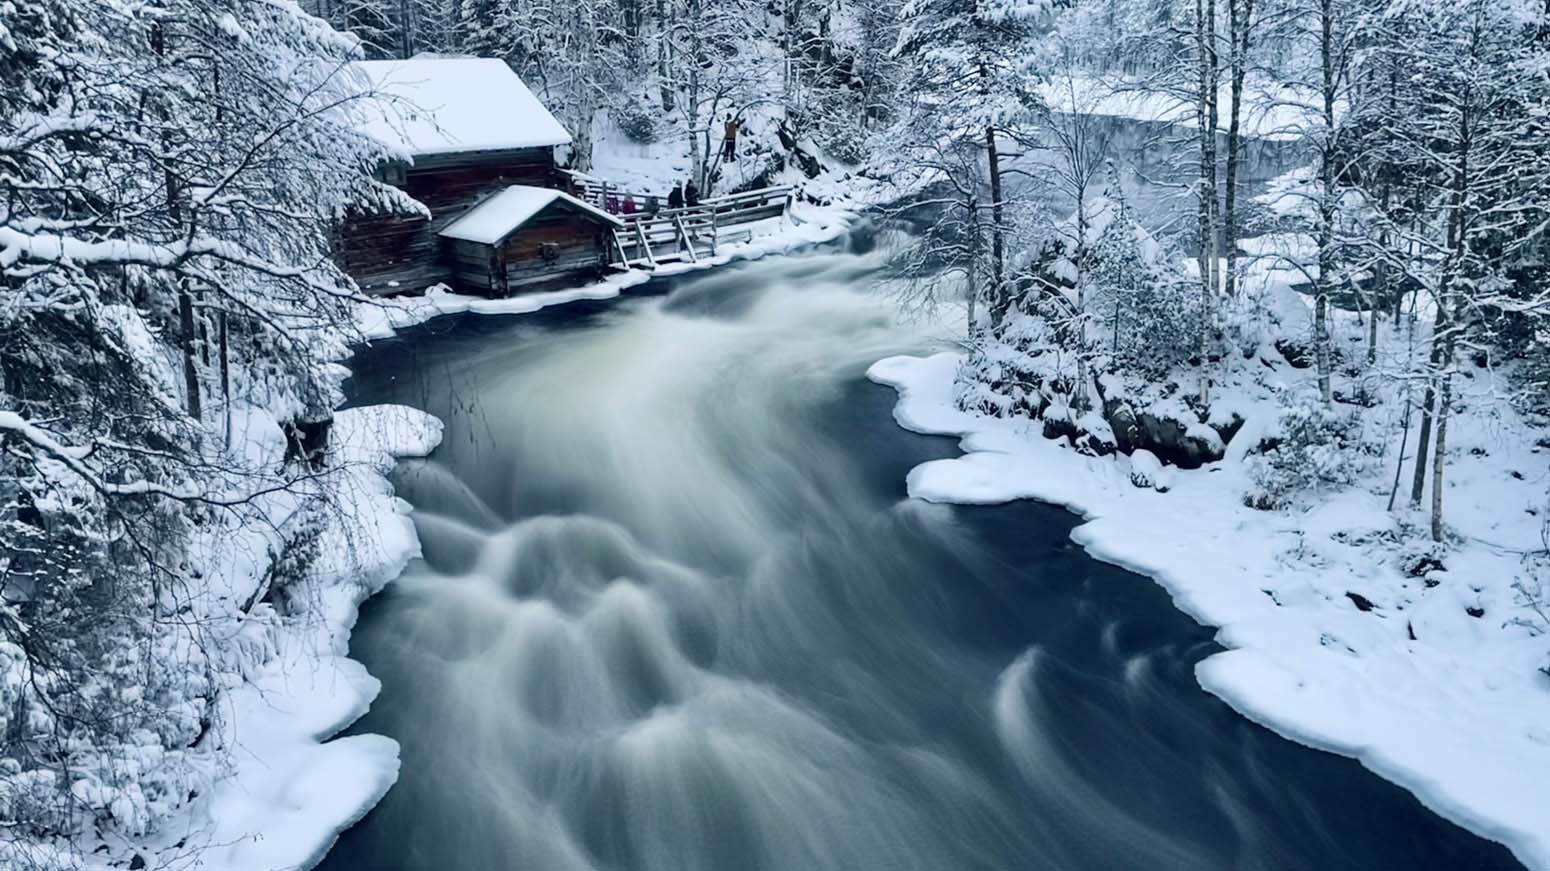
(1076,191)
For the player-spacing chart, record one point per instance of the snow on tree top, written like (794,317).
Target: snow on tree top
(495,218)
(430,106)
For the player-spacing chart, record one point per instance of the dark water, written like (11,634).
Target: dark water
(677,615)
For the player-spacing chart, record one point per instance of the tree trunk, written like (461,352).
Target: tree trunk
(1079,398)
(226,375)
(973,274)
(1440,459)
(1445,325)
(630,10)
(583,97)
(1404,436)
(998,301)
(664,56)
(692,117)
(1239,19)
(1205,115)
(1327,202)
(186,338)
(1418,481)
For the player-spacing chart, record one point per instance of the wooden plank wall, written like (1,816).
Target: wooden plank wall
(580,246)
(389,254)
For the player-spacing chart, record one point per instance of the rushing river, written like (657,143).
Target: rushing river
(676,614)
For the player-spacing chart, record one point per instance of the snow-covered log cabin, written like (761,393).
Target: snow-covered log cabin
(524,236)
(470,134)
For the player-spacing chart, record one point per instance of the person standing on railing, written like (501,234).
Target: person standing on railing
(729,138)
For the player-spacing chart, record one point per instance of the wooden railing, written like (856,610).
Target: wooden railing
(729,208)
(596,191)
(689,232)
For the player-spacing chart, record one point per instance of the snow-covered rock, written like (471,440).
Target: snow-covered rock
(1146,471)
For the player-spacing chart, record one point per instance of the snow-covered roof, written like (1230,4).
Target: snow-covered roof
(443,105)
(496,218)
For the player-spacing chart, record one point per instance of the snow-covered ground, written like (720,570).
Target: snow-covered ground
(1338,634)
(274,787)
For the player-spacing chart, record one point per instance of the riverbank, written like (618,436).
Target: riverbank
(1320,624)
(293,786)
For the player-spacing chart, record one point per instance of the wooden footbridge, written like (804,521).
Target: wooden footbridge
(650,238)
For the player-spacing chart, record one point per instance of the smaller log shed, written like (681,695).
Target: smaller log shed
(526,237)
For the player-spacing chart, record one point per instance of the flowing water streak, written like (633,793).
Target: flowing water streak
(606,610)
(673,616)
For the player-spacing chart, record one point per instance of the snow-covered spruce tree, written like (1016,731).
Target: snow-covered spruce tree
(1145,313)
(1471,120)
(172,170)
(839,73)
(969,81)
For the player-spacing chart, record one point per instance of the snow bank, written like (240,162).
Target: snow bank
(1434,686)
(293,790)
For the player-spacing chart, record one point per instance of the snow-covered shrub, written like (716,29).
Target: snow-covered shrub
(1315,447)
(1012,372)
(637,119)
(1531,588)
(1146,312)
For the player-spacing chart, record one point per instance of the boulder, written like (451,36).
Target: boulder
(1146,471)
(1296,353)
(1179,443)
(1059,426)
(1230,428)
(1122,421)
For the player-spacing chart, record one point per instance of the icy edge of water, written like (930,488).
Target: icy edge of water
(1462,720)
(294,787)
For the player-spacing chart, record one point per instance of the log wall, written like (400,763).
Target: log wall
(389,254)
(556,244)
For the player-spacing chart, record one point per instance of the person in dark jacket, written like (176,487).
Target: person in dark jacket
(729,138)
(691,194)
(675,199)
